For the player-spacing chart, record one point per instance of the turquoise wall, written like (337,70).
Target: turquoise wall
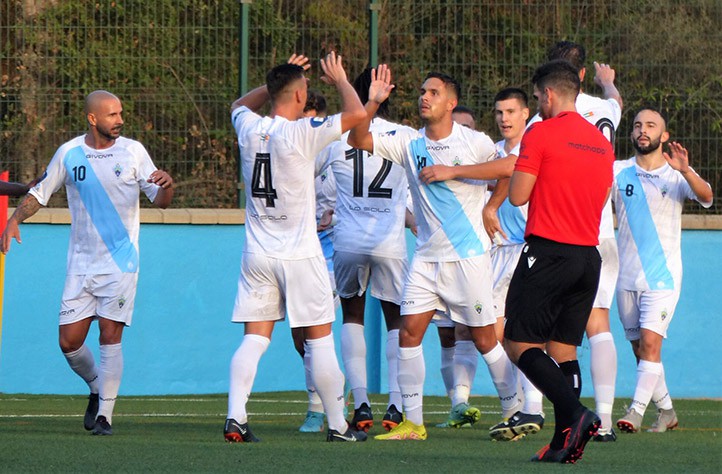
(182,340)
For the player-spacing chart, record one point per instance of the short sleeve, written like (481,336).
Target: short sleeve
(52,179)
(145,169)
(393,144)
(530,152)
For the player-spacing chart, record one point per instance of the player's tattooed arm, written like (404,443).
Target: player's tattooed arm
(28,207)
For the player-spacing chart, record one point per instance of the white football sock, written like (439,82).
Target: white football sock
(314,401)
(110,373)
(660,396)
(244,365)
(353,351)
(392,361)
(328,380)
(447,370)
(502,374)
(532,396)
(647,377)
(466,358)
(412,371)
(603,356)
(83,364)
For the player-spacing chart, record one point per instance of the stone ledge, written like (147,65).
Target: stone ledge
(238,216)
(152,216)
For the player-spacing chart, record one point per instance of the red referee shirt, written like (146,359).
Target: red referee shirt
(572,161)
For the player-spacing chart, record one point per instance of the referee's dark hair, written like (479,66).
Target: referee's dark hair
(570,51)
(558,75)
(361,85)
(278,78)
(448,82)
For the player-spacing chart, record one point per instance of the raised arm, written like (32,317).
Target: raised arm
(352,110)
(257,98)
(678,159)
(379,91)
(604,78)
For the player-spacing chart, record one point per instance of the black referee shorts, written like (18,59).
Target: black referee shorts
(551,293)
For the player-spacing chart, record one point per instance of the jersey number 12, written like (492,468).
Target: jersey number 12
(375,189)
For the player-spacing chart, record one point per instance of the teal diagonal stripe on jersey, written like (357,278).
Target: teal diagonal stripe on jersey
(454,221)
(101,210)
(644,232)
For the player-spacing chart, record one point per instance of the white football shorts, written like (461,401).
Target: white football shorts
(503,262)
(652,310)
(271,288)
(608,275)
(355,271)
(106,296)
(462,288)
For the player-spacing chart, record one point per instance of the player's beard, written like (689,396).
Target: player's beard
(109,133)
(653,145)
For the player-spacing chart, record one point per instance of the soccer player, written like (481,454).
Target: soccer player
(649,193)
(370,248)
(465,116)
(506,224)
(604,113)
(451,267)
(103,174)
(325,186)
(283,270)
(459,358)
(564,172)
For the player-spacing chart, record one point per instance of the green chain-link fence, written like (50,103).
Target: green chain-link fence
(175,65)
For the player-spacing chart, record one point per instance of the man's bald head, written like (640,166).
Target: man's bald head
(94,100)
(104,113)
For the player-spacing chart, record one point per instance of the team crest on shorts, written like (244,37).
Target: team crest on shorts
(664,314)
(121,302)
(478,307)
(117,170)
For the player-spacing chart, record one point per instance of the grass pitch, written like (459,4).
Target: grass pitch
(184,434)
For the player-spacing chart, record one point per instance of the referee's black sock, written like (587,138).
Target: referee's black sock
(546,375)
(573,374)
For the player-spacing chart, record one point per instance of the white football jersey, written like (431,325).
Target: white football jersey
(512,218)
(103,188)
(448,213)
(649,213)
(324,184)
(278,163)
(371,199)
(604,114)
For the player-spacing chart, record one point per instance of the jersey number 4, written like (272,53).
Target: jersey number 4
(262,182)
(375,188)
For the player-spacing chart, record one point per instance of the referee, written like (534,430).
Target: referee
(564,172)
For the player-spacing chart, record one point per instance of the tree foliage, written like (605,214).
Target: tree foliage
(175,65)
